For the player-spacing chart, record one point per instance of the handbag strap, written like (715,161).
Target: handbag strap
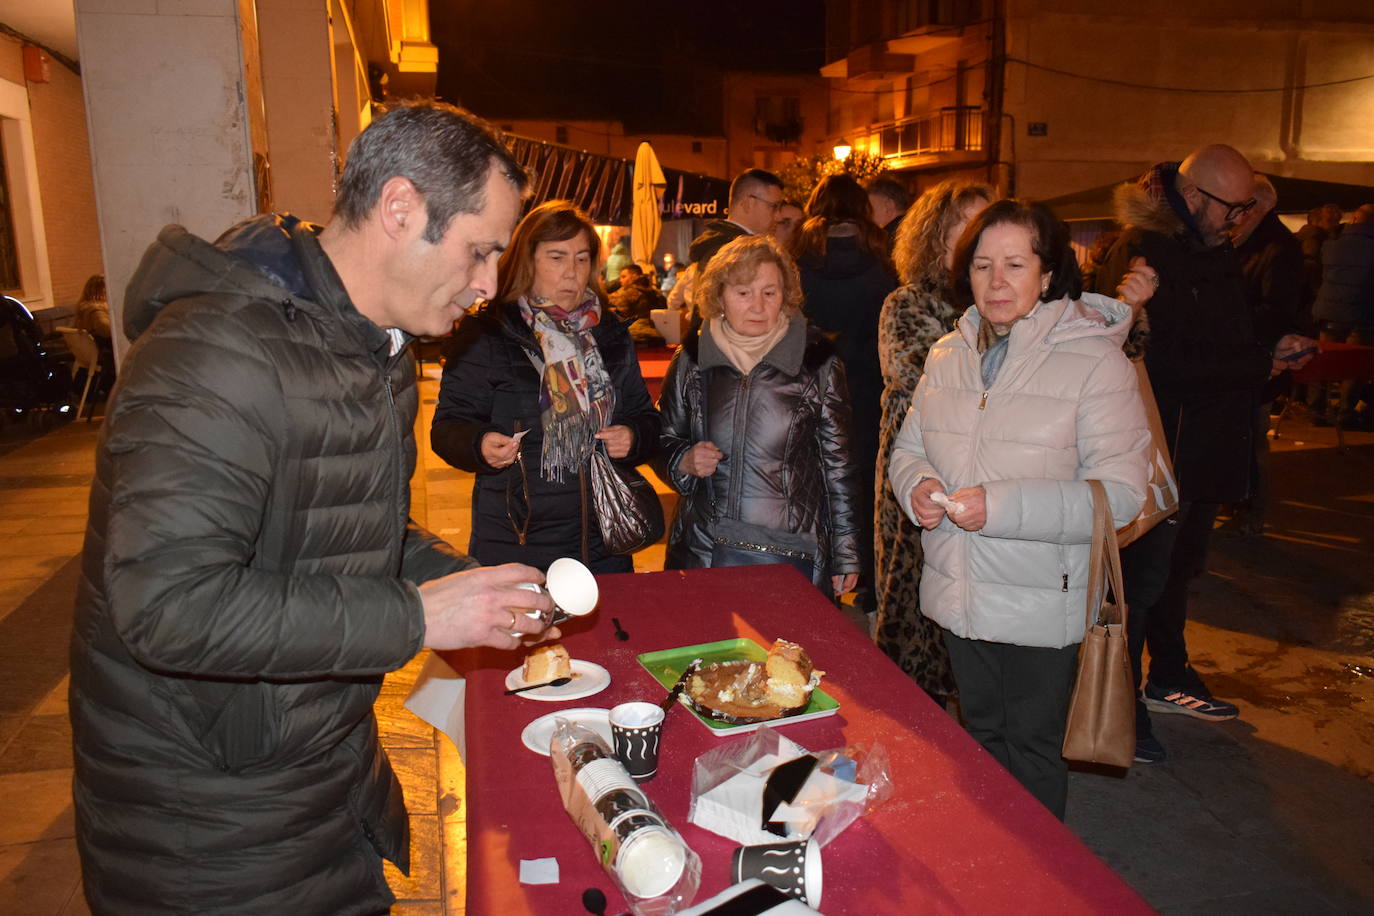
(1104,561)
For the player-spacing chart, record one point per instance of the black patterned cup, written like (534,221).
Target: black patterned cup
(793,868)
(635,729)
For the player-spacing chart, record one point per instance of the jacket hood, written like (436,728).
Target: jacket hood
(710,240)
(1063,320)
(256,259)
(1134,207)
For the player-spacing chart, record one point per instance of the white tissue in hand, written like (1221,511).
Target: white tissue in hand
(954,507)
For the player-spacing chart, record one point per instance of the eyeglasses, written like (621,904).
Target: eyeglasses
(774,205)
(1233,211)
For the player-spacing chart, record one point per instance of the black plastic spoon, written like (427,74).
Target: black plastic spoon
(556,682)
(620,633)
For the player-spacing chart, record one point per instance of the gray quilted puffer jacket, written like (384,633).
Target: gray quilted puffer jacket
(784,429)
(248,577)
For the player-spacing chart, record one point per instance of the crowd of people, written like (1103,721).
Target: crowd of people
(904,400)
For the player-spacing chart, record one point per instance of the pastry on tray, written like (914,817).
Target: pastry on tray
(546,663)
(742,692)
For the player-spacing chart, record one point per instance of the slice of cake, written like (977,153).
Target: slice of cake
(546,663)
(791,676)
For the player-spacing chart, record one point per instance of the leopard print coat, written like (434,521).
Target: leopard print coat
(913,318)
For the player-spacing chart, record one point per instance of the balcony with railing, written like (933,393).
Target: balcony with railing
(945,137)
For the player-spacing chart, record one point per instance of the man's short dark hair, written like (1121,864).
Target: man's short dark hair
(634,269)
(1049,240)
(750,182)
(446,152)
(893,190)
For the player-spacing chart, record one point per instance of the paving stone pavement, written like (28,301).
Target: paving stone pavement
(1269,813)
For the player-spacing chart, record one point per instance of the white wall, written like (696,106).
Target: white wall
(169,123)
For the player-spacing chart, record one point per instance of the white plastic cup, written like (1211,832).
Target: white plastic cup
(636,729)
(572,587)
(650,862)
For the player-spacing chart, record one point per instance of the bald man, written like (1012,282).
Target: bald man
(1207,363)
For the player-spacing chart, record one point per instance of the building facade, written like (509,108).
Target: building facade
(1046,97)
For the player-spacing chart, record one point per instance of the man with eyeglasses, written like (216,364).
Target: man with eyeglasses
(755,198)
(1207,362)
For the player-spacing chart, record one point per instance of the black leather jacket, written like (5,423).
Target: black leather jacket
(784,429)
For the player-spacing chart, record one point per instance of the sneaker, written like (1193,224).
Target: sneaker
(1167,699)
(1148,750)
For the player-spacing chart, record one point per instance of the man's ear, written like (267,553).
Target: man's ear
(400,208)
(1188,191)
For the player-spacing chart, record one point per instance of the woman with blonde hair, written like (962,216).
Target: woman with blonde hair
(756,428)
(913,317)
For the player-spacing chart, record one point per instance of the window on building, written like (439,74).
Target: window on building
(908,15)
(23,245)
(778,117)
(560,134)
(696,146)
(9,250)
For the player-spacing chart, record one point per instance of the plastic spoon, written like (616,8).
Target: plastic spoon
(556,682)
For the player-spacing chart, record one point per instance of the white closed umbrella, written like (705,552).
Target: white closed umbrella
(646,222)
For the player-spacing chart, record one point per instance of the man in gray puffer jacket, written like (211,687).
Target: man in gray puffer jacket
(250,572)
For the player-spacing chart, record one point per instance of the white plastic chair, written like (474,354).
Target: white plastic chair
(85,355)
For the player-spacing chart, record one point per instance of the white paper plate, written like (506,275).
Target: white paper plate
(587,678)
(539,732)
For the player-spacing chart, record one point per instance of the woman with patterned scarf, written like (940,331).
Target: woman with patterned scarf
(533,382)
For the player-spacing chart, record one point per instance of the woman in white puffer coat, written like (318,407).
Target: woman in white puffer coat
(1027,399)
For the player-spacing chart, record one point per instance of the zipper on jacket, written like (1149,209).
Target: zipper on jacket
(735,494)
(402,497)
(1065,586)
(977,435)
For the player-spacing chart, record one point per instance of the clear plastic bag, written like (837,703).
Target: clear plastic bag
(645,856)
(753,791)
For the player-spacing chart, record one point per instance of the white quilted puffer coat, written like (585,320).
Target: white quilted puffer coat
(1065,408)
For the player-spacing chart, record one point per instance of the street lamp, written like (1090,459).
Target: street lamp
(842,150)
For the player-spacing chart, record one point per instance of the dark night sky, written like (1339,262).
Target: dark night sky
(655,66)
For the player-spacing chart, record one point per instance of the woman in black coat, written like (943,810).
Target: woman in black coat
(756,423)
(533,382)
(846,274)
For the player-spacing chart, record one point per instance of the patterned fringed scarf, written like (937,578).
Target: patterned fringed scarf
(575,395)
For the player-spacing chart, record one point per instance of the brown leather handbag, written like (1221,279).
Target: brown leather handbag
(1101,723)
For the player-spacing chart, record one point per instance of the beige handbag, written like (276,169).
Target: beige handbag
(1101,723)
(1161,490)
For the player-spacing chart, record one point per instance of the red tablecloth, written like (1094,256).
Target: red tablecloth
(959,835)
